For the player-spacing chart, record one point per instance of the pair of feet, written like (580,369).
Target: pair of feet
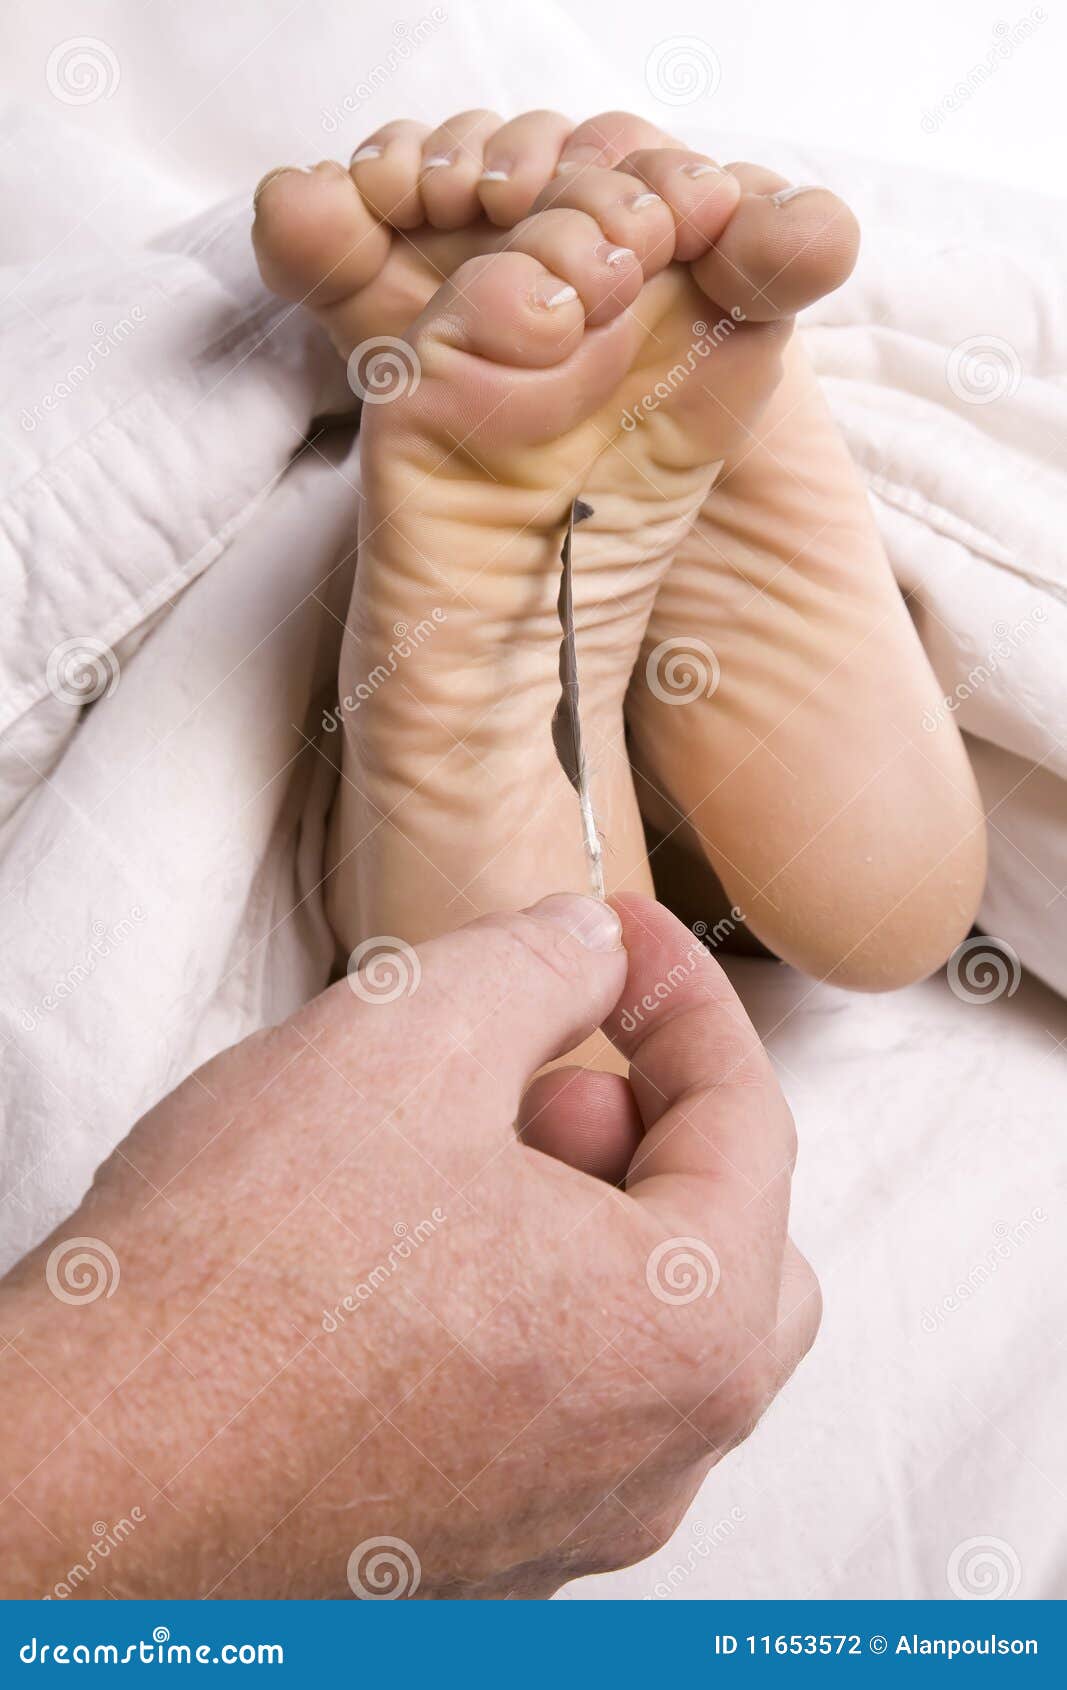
(596,311)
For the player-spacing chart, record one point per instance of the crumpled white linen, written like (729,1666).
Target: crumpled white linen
(160,852)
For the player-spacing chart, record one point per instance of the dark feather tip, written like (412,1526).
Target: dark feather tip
(581,510)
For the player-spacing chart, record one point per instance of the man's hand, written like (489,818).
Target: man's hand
(331,1325)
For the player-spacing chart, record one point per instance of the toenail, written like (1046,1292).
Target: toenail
(272,176)
(436,162)
(549,292)
(494,176)
(575,157)
(613,255)
(701,170)
(364,154)
(784,195)
(639,202)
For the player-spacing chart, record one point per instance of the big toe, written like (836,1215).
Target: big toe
(315,240)
(784,247)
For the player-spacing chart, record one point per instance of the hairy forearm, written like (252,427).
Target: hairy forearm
(150,1449)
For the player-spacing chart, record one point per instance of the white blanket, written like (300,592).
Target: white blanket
(160,852)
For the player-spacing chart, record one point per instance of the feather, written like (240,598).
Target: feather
(567,720)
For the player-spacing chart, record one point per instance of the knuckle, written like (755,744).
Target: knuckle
(745,1395)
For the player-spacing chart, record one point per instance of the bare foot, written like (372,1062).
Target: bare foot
(819,673)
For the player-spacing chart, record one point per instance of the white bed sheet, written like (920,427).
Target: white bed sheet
(927,1124)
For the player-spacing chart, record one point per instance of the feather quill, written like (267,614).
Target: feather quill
(567,720)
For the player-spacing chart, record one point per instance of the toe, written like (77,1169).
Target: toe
(452,165)
(314,238)
(503,358)
(518,161)
(701,196)
(628,212)
(572,246)
(386,168)
(506,307)
(607,139)
(783,248)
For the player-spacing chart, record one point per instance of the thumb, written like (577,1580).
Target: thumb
(517,990)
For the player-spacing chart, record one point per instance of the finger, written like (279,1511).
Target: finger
(485,1007)
(719,1137)
(588,1120)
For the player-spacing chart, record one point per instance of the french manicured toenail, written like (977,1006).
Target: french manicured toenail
(549,292)
(575,157)
(704,169)
(639,202)
(784,195)
(613,255)
(364,154)
(436,162)
(494,176)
